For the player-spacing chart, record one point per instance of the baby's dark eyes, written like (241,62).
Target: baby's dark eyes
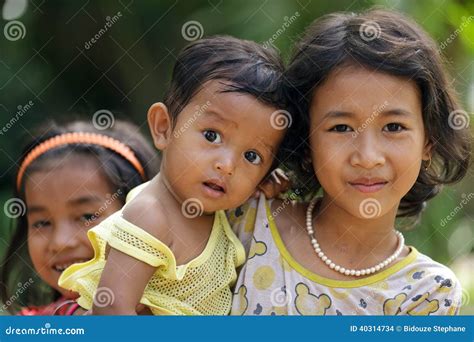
(88,217)
(253,157)
(212,136)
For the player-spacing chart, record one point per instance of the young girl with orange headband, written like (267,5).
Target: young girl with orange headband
(70,178)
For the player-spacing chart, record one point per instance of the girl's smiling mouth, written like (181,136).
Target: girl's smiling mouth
(368,185)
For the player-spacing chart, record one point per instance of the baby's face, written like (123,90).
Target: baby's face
(221,147)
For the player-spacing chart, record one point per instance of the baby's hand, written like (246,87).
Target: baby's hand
(274,185)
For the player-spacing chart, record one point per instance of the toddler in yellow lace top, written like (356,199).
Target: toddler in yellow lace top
(170,248)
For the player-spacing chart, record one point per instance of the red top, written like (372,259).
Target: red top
(61,307)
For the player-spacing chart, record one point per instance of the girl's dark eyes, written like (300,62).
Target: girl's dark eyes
(41,224)
(212,136)
(253,157)
(391,127)
(394,127)
(341,128)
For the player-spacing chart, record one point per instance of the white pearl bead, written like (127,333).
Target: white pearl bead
(324,258)
(328,261)
(342,270)
(347,272)
(320,254)
(357,273)
(377,268)
(352,272)
(385,263)
(318,250)
(310,231)
(313,241)
(362,272)
(332,266)
(372,270)
(337,268)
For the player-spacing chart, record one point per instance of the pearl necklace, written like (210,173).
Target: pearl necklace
(340,269)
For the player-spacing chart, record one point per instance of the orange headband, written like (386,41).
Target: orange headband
(80,138)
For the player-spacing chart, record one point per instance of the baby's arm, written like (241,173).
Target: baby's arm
(125,278)
(124,275)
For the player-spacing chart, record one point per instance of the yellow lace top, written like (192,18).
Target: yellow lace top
(200,287)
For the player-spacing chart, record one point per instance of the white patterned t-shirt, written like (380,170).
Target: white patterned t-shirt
(273,283)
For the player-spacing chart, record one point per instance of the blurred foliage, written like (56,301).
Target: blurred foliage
(129,66)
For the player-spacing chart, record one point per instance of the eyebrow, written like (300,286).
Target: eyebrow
(76,201)
(35,209)
(219,117)
(269,147)
(334,114)
(85,200)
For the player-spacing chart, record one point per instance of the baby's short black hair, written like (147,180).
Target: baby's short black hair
(245,66)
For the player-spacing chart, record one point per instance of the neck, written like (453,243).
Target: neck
(360,241)
(173,204)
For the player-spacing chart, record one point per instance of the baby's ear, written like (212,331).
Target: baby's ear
(159,122)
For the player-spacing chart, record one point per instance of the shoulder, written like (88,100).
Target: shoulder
(428,268)
(147,213)
(435,285)
(288,213)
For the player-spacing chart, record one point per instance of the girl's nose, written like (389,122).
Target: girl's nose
(368,151)
(65,236)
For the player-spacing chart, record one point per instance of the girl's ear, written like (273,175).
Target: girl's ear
(160,125)
(427,150)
